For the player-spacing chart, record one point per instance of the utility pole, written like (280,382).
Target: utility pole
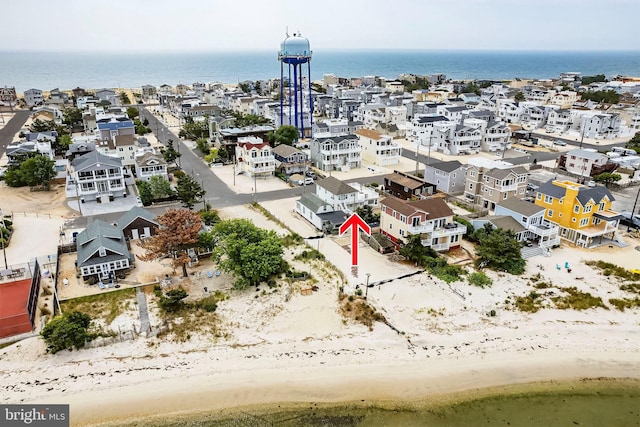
(633,212)
(417,154)
(366,289)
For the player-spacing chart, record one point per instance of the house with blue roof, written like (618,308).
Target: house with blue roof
(109,130)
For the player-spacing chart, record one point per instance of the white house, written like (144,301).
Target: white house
(255,157)
(150,164)
(98,177)
(581,162)
(33,97)
(531,217)
(336,153)
(344,197)
(378,149)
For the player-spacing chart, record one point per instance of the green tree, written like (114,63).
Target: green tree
(67,332)
(194,129)
(499,250)
(34,171)
(415,251)
(132,113)
(366,213)
(607,178)
(172,300)
(519,96)
(209,216)
(145,192)
(189,191)
(124,98)
(593,79)
(634,143)
(170,154)
(245,87)
(250,253)
(258,88)
(39,125)
(420,83)
(65,141)
(160,187)
(606,96)
(203,145)
(285,134)
(71,116)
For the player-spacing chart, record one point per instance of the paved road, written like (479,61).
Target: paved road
(573,142)
(10,129)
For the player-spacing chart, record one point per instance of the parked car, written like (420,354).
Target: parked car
(306,181)
(560,143)
(632,221)
(591,183)
(311,174)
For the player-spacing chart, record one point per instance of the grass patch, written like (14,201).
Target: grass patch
(309,255)
(443,271)
(542,285)
(292,239)
(7,344)
(631,287)
(357,309)
(577,300)
(609,269)
(479,279)
(530,303)
(195,317)
(624,303)
(106,306)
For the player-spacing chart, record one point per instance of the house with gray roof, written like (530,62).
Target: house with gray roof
(319,213)
(488,187)
(290,160)
(448,177)
(531,216)
(504,222)
(583,163)
(102,251)
(333,153)
(138,223)
(150,164)
(98,177)
(342,196)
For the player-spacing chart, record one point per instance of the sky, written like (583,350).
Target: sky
(214,25)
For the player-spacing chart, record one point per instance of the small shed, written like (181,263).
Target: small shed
(138,223)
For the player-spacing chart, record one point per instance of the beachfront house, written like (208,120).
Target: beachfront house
(431,219)
(33,97)
(320,213)
(138,223)
(448,177)
(583,214)
(343,196)
(102,251)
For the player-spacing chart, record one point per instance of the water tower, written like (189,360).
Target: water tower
(294,53)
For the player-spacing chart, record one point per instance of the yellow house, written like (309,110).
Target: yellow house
(583,214)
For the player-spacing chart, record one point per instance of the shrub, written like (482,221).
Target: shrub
(479,279)
(67,332)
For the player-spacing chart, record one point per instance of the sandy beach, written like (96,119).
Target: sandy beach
(284,347)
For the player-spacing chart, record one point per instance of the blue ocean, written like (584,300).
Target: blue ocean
(48,70)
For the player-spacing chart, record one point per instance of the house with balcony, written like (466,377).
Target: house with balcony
(585,163)
(102,251)
(559,120)
(602,126)
(345,197)
(463,139)
(290,160)
(18,152)
(337,153)
(254,157)
(98,177)
(544,233)
(488,187)
(406,186)
(378,149)
(431,219)
(448,177)
(109,129)
(534,116)
(583,214)
(496,137)
(150,164)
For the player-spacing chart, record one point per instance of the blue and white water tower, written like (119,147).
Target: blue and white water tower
(294,53)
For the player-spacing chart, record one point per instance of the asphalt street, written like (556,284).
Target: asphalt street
(11,127)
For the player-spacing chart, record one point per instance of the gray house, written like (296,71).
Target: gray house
(290,160)
(98,177)
(531,217)
(448,177)
(138,223)
(102,251)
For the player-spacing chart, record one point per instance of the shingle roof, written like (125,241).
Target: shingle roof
(368,133)
(335,186)
(434,207)
(585,154)
(100,234)
(312,202)
(449,166)
(405,181)
(520,206)
(431,119)
(505,222)
(596,193)
(548,189)
(285,150)
(503,173)
(93,157)
(133,213)
(338,138)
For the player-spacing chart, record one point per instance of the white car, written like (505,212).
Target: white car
(306,181)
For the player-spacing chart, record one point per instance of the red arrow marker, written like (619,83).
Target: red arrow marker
(354,222)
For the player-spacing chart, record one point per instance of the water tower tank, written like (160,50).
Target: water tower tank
(295,46)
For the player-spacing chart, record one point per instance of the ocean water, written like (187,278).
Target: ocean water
(48,70)
(594,403)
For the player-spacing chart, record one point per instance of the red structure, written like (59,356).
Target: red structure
(18,302)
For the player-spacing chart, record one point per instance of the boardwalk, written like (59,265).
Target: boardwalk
(145,327)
